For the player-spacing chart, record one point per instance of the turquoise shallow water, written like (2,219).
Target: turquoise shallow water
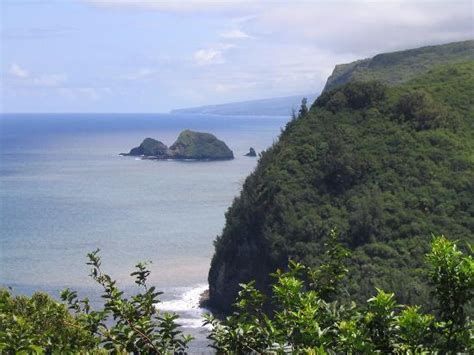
(64,191)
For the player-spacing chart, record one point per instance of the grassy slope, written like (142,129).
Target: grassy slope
(399,67)
(386,187)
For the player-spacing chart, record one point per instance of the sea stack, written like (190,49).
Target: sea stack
(251,153)
(149,148)
(201,146)
(189,145)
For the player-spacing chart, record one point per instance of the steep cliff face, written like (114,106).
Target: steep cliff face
(399,67)
(386,166)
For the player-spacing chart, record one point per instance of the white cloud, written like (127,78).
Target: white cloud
(22,77)
(367,27)
(213,54)
(208,56)
(18,72)
(235,34)
(259,71)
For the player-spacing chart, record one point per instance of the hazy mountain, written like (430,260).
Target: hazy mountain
(279,106)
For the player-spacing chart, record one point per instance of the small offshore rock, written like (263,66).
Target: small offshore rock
(251,153)
(149,148)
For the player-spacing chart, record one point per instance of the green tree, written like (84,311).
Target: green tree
(380,320)
(452,277)
(337,102)
(326,279)
(415,330)
(418,108)
(303,111)
(364,94)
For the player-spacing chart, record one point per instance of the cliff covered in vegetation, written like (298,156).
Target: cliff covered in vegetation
(399,67)
(386,166)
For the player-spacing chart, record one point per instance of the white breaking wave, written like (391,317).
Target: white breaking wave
(188,306)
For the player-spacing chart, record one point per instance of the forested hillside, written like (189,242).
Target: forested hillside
(399,67)
(386,166)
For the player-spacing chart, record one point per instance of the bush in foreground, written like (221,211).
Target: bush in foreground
(304,319)
(124,325)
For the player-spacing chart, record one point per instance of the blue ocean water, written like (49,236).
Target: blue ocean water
(64,192)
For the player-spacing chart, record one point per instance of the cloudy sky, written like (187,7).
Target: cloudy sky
(153,55)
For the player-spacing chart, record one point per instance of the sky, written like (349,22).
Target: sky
(153,56)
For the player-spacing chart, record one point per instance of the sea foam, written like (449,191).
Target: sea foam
(187,306)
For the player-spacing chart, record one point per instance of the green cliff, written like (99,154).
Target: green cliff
(386,166)
(399,67)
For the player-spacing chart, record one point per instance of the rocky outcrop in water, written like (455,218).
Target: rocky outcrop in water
(201,146)
(251,153)
(189,145)
(149,148)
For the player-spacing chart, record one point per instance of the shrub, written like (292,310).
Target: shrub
(364,94)
(452,277)
(40,324)
(302,321)
(419,109)
(337,102)
(125,325)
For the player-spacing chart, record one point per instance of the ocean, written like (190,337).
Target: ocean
(65,191)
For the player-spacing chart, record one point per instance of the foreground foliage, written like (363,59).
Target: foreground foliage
(304,320)
(124,325)
(301,316)
(39,324)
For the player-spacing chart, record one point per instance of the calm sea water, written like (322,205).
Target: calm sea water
(64,192)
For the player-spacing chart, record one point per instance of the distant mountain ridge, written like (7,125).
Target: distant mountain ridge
(398,67)
(278,106)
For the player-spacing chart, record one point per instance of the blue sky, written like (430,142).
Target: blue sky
(152,55)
